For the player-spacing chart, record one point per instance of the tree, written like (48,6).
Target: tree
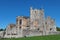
(1,29)
(58,29)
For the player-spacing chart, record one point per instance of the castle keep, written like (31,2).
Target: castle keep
(35,25)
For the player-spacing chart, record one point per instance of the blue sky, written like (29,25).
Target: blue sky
(10,9)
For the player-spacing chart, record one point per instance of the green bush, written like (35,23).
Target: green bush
(58,29)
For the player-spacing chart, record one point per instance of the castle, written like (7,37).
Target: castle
(35,25)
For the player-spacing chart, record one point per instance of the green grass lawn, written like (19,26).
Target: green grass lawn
(49,37)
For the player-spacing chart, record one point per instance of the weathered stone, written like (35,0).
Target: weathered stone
(36,25)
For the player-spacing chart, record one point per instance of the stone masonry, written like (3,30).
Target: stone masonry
(35,25)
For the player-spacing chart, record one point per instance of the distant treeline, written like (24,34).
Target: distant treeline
(58,29)
(2,29)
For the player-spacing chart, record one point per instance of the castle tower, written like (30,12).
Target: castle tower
(22,25)
(19,27)
(37,19)
(50,25)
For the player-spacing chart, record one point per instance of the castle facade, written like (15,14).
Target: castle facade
(35,25)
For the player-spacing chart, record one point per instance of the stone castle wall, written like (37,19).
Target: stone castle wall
(36,25)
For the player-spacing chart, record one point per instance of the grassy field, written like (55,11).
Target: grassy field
(50,37)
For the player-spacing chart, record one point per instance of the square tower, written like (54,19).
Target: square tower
(37,19)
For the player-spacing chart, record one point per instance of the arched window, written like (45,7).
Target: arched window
(50,29)
(20,27)
(20,21)
(38,29)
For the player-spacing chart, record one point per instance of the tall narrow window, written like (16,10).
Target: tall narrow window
(20,21)
(50,29)
(20,27)
(35,12)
